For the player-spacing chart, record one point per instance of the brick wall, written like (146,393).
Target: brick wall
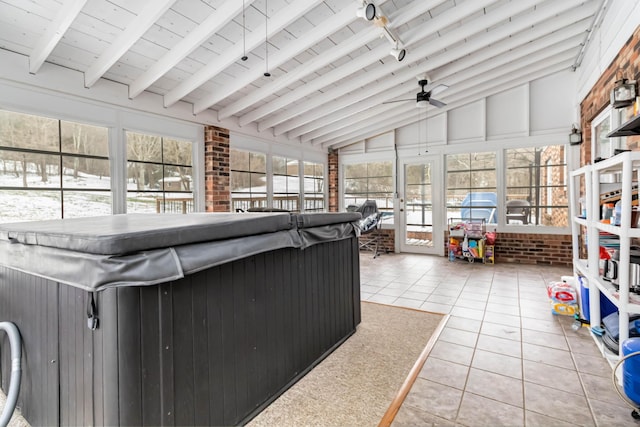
(628,61)
(526,248)
(541,249)
(334,202)
(216,169)
(387,240)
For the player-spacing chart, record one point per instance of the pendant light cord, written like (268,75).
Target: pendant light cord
(244,33)
(266,43)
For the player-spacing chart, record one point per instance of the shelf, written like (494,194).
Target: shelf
(581,266)
(587,184)
(614,164)
(628,128)
(610,357)
(616,230)
(609,291)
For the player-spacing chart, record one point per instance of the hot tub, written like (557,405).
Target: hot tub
(198,319)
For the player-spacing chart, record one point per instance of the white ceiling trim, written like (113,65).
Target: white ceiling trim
(276,24)
(313,37)
(464,69)
(358,64)
(391,123)
(214,22)
(299,116)
(48,41)
(151,12)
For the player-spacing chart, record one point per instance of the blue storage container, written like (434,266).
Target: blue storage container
(606,306)
(631,369)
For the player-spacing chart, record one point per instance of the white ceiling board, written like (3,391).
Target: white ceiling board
(323,88)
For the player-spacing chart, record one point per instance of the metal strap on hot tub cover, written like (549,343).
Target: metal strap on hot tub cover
(92,312)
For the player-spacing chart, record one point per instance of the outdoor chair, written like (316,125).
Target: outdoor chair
(518,210)
(370,226)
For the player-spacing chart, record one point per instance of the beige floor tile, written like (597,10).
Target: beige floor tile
(458,336)
(544,339)
(550,356)
(611,415)
(435,307)
(452,352)
(445,372)
(434,398)
(559,404)
(499,345)
(409,416)
(500,331)
(421,296)
(464,324)
(552,376)
(549,326)
(498,363)
(469,303)
(502,319)
(478,411)
(534,419)
(600,388)
(495,386)
(510,310)
(467,313)
(476,296)
(442,299)
(594,365)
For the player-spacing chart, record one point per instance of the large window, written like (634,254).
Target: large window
(313,187)
(286,183)
(536,187)
(60,167)
(369,181)
(471,186)
(248,180)
(159,174)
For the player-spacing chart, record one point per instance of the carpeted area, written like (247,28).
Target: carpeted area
(357,382)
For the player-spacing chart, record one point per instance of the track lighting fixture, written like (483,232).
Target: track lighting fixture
(367,11)
(399,54)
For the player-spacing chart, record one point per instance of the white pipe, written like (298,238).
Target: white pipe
(16,371)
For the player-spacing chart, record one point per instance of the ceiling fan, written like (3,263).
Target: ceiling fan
(424,98)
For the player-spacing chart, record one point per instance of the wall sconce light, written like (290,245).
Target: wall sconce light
(575,137)
(399,54)
(368,11)
(624,92)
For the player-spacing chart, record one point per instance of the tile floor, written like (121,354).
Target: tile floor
(503,358)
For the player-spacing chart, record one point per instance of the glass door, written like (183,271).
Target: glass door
(420,206)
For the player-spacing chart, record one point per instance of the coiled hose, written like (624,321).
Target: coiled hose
(633,405)
(16,371)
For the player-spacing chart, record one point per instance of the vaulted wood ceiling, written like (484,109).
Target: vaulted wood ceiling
(331,71)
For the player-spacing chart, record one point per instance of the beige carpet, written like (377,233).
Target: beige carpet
(355,385)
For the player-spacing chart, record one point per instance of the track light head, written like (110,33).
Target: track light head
(399,54)
(368,11)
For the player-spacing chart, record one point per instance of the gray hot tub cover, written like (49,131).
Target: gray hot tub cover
(146,249)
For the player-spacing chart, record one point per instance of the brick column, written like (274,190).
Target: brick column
(627,60)
(216,169)
(334,203)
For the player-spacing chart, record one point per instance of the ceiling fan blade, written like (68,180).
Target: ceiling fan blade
(439,88)
(399,100)
(436,103)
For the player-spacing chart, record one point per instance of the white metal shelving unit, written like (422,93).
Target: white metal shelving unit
(627,166)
